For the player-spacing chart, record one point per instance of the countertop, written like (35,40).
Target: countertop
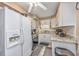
(67,39)
(54,37)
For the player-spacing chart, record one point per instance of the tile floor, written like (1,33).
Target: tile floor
(42,50)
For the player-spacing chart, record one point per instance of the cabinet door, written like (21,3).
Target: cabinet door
(68,13)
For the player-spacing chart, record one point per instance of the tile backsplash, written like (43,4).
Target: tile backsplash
(69,30)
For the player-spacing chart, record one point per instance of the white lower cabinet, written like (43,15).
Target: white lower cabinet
(44,38)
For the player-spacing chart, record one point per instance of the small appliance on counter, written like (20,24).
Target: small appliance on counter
(60,32)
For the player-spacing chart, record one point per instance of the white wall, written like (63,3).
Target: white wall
(34,24)
(45,23)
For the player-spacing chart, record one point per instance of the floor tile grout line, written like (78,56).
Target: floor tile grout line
(41,53)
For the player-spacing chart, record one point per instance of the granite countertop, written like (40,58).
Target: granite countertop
(54,37)
(67,39)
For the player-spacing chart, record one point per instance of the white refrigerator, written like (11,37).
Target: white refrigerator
(9,33)
(15,33)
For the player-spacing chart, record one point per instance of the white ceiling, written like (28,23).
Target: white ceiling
(51,9)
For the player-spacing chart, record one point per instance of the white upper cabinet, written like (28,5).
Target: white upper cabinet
(66,14)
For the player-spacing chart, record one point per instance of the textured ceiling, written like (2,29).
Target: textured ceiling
(51,9)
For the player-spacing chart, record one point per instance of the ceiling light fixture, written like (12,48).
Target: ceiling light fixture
(32,4)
